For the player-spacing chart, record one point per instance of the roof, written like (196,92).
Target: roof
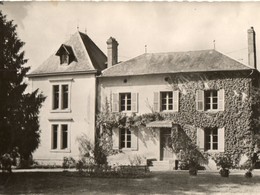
(175,62)
(89,58)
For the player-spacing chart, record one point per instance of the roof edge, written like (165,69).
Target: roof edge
(61,73)
(107,76)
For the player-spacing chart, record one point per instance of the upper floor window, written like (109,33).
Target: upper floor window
(210,100)
(166,101)
(59,137)
(122,102)
(66,54)
(125,101)
(60,94)
(64,59)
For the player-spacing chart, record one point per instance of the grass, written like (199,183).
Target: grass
(175,182)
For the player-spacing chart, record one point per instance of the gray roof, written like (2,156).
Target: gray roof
(89,58)
(175,62)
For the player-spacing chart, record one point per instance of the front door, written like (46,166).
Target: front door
(165,142)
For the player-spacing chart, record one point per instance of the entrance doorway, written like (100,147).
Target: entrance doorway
(166,152)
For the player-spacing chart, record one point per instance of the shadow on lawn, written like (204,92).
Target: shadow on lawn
(158,183)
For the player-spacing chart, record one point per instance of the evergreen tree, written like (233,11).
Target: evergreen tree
(19,125)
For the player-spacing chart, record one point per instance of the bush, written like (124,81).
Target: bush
(68,162)
(223,160)
(248,174)
(224,172)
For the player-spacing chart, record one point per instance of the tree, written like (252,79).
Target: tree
(19,125)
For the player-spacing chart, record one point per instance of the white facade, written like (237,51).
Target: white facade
(148,141)
(79,117)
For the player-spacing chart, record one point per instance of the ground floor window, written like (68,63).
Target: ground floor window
(60,137)
(125,138)
(211,139)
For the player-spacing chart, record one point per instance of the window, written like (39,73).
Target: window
(125,101)
(211,100)
(54,137)
(166,101)
(64,136)
(211,139)
(125,138)
(60,137)
(56,96)
(60,97)
(64,59)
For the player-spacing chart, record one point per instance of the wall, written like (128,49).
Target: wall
(81,118)
(236,118)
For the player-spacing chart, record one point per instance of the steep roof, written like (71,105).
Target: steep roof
(175,62)
(88,58)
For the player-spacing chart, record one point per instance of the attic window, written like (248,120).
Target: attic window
(64,59)
(66,54)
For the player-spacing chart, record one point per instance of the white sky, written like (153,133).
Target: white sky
(162,26)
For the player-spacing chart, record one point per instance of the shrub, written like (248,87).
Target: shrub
(223,160)
(136,160)
(68,162)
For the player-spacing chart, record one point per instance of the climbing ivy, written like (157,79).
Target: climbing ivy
(237,118)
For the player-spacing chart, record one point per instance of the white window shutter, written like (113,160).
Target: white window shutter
(115,102)
(200,138)
(221,139)
(115,138)
(176,101)
(156,99)
(200,100)
(221,100)
(134,102)
(134,139)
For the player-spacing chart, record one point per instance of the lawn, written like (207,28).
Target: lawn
(175,182)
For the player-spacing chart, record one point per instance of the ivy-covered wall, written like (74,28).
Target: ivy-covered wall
(236,117)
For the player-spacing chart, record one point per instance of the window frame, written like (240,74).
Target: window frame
(59,141)
(127,139)
(210,132)
(126,99)
(61,84)
(211,97)
(167,101)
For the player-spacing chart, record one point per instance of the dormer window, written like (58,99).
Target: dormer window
(64,59)
(66,54)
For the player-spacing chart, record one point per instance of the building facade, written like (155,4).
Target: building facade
(204,93)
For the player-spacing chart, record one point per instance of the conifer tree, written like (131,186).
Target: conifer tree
(19,125)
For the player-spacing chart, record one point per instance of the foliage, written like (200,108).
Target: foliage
(68,162)
(136,160)
(224,172)
(19,125)
(187,150)
(86,149)
(223,160)
(249,174)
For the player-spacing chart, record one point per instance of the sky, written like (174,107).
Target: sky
(162,26)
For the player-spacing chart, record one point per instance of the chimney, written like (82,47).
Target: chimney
(111,52)
(251,48)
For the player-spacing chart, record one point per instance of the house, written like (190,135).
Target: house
(68,79)
(204,93)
